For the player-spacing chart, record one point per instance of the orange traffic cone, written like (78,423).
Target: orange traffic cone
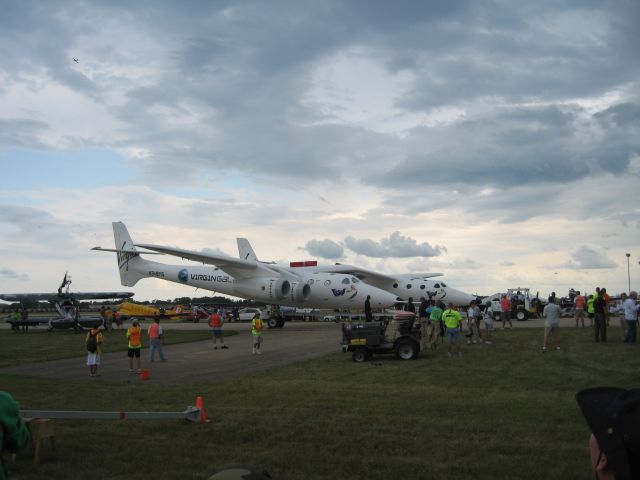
(200,405)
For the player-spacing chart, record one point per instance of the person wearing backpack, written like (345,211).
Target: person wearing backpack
(93,341)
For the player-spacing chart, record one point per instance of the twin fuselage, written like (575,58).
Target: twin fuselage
(313,289)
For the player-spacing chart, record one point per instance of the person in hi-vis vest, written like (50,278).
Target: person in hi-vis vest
(134,336)
(256,333)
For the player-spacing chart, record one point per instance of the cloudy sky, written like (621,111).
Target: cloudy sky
(497,142)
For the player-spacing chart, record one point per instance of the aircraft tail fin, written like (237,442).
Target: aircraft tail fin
(245,250)
(128,256)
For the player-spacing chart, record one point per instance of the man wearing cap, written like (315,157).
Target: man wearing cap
(613,415)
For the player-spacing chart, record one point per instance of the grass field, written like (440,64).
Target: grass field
(500,411)
(40,345)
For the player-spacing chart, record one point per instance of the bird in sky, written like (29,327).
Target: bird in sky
(76,60)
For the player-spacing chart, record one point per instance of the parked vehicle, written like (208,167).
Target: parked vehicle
(247,314)
(400,336)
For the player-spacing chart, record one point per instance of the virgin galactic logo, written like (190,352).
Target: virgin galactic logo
(183,275)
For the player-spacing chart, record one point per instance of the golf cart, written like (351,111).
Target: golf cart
(399,335)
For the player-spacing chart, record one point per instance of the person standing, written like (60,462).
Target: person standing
(14,319)
(256,333)
(409,306)
(472,321)
(24,319)
(216,322)
(605,295)
(117,318)
(599,319)
(505,306)
(551,313)
(156,339)
(14,434)
(631,308)
(435,322)
(452,321)
(579,302)
(368,316)
(134,337)
(487,316)
(590,311)
(93,341)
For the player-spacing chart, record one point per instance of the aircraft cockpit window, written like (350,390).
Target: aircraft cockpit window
(437,285)
(346,281)
(354,280)
(443,284)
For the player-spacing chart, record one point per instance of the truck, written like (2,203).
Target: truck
(523,305)
(400,335)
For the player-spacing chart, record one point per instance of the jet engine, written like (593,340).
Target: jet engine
(265,289)
(280,289)
(301,292)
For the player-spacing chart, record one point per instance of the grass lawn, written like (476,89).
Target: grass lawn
(40,345)
(500,411)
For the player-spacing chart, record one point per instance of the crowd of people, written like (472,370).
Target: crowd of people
(440,321)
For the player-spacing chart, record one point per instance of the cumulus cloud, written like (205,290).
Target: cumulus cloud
(9,274)
(589,257)
(396,245)
(325,249)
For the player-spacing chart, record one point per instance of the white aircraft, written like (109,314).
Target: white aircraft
(246,278)
(403,286)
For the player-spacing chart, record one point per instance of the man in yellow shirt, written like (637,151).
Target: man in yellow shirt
(256,333)
(452,321)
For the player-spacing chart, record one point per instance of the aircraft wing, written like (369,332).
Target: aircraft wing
(237,267)
(20,297)
(99,295)
(376,279)
(54,297)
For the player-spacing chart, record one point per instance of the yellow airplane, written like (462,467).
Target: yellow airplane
(130,309)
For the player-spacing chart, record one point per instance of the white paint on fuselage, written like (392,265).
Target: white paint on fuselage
(326,290)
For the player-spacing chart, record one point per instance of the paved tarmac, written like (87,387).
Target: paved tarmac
(199,362)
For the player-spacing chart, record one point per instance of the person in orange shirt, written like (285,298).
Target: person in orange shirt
(134,336)
(505,305)
(216,322)
(579,302)
(156,338)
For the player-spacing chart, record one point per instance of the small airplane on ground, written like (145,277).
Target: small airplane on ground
(245,278)
(404,286)
(66,304)
(130,309)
